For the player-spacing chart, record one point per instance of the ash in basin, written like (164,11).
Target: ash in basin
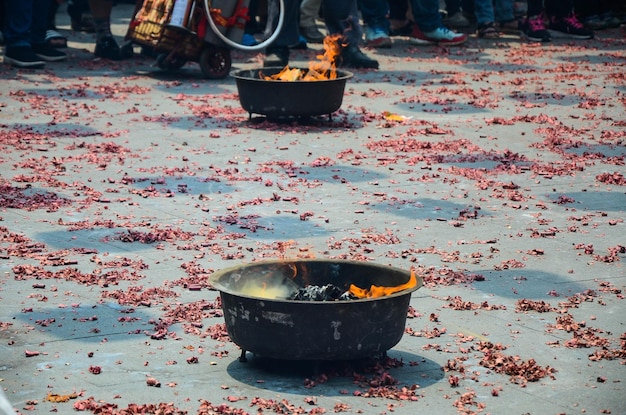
(329,292)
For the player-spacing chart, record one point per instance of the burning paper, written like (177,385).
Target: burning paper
(376,291)
(324,68)
(276,283)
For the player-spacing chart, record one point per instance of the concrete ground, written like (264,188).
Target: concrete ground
(495,170)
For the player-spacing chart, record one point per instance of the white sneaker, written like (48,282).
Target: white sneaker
(441,36)
(377,38)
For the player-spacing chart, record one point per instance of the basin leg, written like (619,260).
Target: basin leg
(242,356)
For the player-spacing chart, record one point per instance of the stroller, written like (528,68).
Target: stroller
(202,31)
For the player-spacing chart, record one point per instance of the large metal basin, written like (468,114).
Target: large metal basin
(307,330)
(289,99)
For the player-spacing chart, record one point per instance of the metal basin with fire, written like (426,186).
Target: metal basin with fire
(275,98)
(260,317)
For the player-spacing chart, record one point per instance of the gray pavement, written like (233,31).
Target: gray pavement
(123,188)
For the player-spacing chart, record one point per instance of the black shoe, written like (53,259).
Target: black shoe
(48,53)
(23,57)
(127,51)
(534,29)
(569,27)
(312,34)
(108,48)
(351,56)
(276,57)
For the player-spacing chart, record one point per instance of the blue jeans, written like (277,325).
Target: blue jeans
(503,10)
(426,14)
(25,22)
(483,11)
(374,13)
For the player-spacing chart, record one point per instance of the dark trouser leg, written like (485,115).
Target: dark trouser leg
(39,23)
(289,32)
(535,7)
(18,17)
(559,8)
(342,16)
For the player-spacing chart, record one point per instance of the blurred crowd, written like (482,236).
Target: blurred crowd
(31,38)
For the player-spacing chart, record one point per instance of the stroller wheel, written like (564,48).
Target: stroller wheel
(215,62)
(170,64)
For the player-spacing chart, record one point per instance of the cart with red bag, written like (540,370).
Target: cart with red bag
(202,31)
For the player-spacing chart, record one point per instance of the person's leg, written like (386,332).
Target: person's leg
(398,9)
(342,17)
(429,28)
(587,8)
(309,11)
(504,14)
(80,16)
(607,14)
(106,45)
(535,8)
(277,54)
(533,26)
(339,17)
(426,14)
(563,20)
(54,38)
(595,15)
(39,21)
(18,17)
(503,11)
(53,7)
(559,8)
(398,21)
(485,19)
(101,12)
(456,11)
(453,7)
(484,12)
(374,14)
(250,29)
(39,27)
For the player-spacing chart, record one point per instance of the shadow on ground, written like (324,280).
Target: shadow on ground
(88,323)
(333,378)
(528,283)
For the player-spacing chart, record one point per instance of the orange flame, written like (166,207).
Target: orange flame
(323,69)
(376,291)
